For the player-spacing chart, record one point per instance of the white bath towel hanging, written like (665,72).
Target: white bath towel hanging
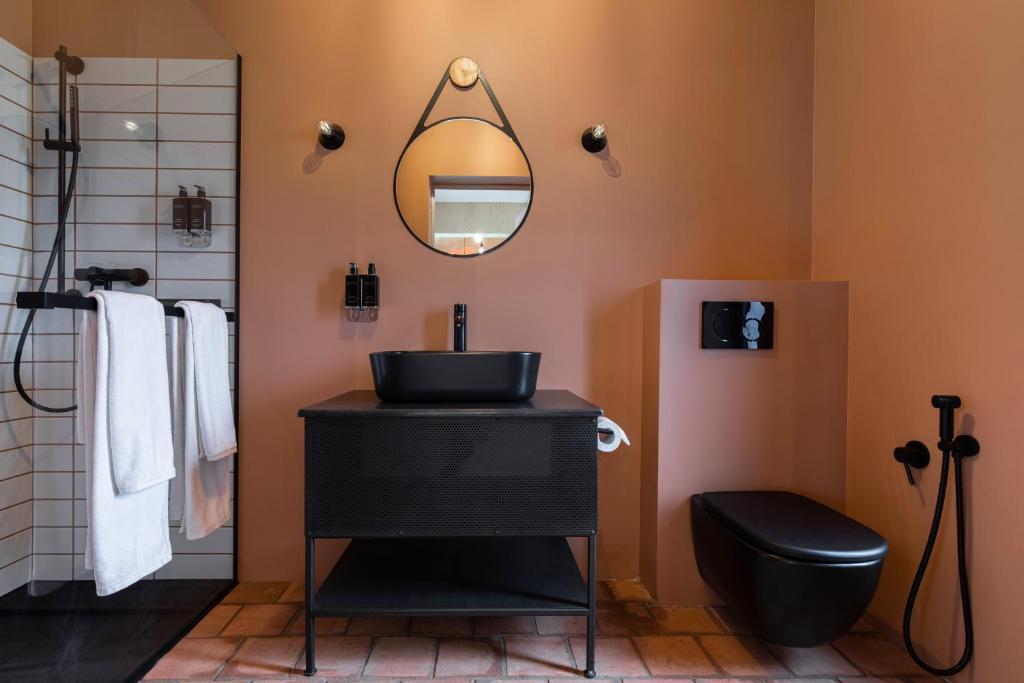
(201,493)
(206,352)
(125,423)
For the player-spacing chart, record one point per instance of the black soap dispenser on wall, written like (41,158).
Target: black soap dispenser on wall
(200,218)
(362,294)
(179,213)
(192,218)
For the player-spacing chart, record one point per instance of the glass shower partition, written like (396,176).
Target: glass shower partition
(155,113)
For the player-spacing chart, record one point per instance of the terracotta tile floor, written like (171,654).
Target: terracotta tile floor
(256,635)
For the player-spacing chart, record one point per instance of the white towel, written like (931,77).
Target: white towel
(201,493)
(124,421)
(206,349)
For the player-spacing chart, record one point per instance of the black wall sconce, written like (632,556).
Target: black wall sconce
(332,136)
(595,138)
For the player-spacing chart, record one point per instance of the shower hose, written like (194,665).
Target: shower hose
(58,243)
(965,596)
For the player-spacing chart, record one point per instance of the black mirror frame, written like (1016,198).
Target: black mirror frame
(421,128)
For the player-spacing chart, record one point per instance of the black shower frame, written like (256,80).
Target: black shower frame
(150,663)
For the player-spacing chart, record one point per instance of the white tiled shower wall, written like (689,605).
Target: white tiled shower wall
(147,125)
(15,274)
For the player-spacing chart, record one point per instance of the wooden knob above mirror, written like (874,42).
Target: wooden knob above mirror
(463,72)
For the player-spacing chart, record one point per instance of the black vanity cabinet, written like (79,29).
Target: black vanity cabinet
(453,509)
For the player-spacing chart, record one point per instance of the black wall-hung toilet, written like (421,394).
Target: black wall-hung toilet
(798,572)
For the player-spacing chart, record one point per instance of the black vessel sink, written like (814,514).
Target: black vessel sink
(444,376)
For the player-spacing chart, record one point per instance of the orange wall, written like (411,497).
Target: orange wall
(125,28)
(708,106)
(16,23)
(918,172)
(723,419)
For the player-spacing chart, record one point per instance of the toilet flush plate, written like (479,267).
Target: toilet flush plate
(748,325)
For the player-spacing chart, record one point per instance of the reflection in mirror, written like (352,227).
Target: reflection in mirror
(463,186)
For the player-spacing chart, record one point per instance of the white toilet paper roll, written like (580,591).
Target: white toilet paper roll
(606,443)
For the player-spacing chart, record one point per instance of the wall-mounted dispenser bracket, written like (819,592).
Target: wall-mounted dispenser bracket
(192,218)
(362,294)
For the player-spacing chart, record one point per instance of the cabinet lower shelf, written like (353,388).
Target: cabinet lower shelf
(454,576)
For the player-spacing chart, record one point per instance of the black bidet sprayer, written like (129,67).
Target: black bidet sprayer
(915,454)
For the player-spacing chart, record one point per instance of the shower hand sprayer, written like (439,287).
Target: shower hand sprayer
(67,64)
(915,454)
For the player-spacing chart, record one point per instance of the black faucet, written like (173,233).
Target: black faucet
(459,336)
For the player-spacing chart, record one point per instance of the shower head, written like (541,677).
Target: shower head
(74,65)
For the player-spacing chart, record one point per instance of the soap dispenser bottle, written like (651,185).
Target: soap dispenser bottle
(371,287)
(353,289)
(200,214)
(179,212)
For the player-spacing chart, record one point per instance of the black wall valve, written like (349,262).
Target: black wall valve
(915,454)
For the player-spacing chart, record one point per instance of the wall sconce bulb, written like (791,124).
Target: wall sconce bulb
(595,138)
(331,135)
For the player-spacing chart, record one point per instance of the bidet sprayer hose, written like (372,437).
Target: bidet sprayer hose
(961,542)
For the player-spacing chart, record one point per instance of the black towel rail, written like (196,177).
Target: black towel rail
(49,300)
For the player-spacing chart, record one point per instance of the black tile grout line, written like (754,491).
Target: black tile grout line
(14,505)
(28,171)
(437,654)
(17,476)
(182,250)
(15,73)
(20,135)
(197,280)
(79,554)
(136,140)
(14,447)
(15,218)
(20,559)
(137,85)
(42,112)
(17,104)
(156,183)
(113,224)
(107,195)
(136,168)
(15,533)
(109,224)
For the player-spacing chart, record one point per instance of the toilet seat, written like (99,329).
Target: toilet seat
(794,526)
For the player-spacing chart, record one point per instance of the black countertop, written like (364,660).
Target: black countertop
(364,403)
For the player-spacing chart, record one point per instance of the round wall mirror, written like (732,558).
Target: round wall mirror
(463,186)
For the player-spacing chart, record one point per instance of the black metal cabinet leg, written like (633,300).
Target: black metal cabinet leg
(591,671)
(310,630)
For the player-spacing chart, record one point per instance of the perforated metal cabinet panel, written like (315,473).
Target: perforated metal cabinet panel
(451,476)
